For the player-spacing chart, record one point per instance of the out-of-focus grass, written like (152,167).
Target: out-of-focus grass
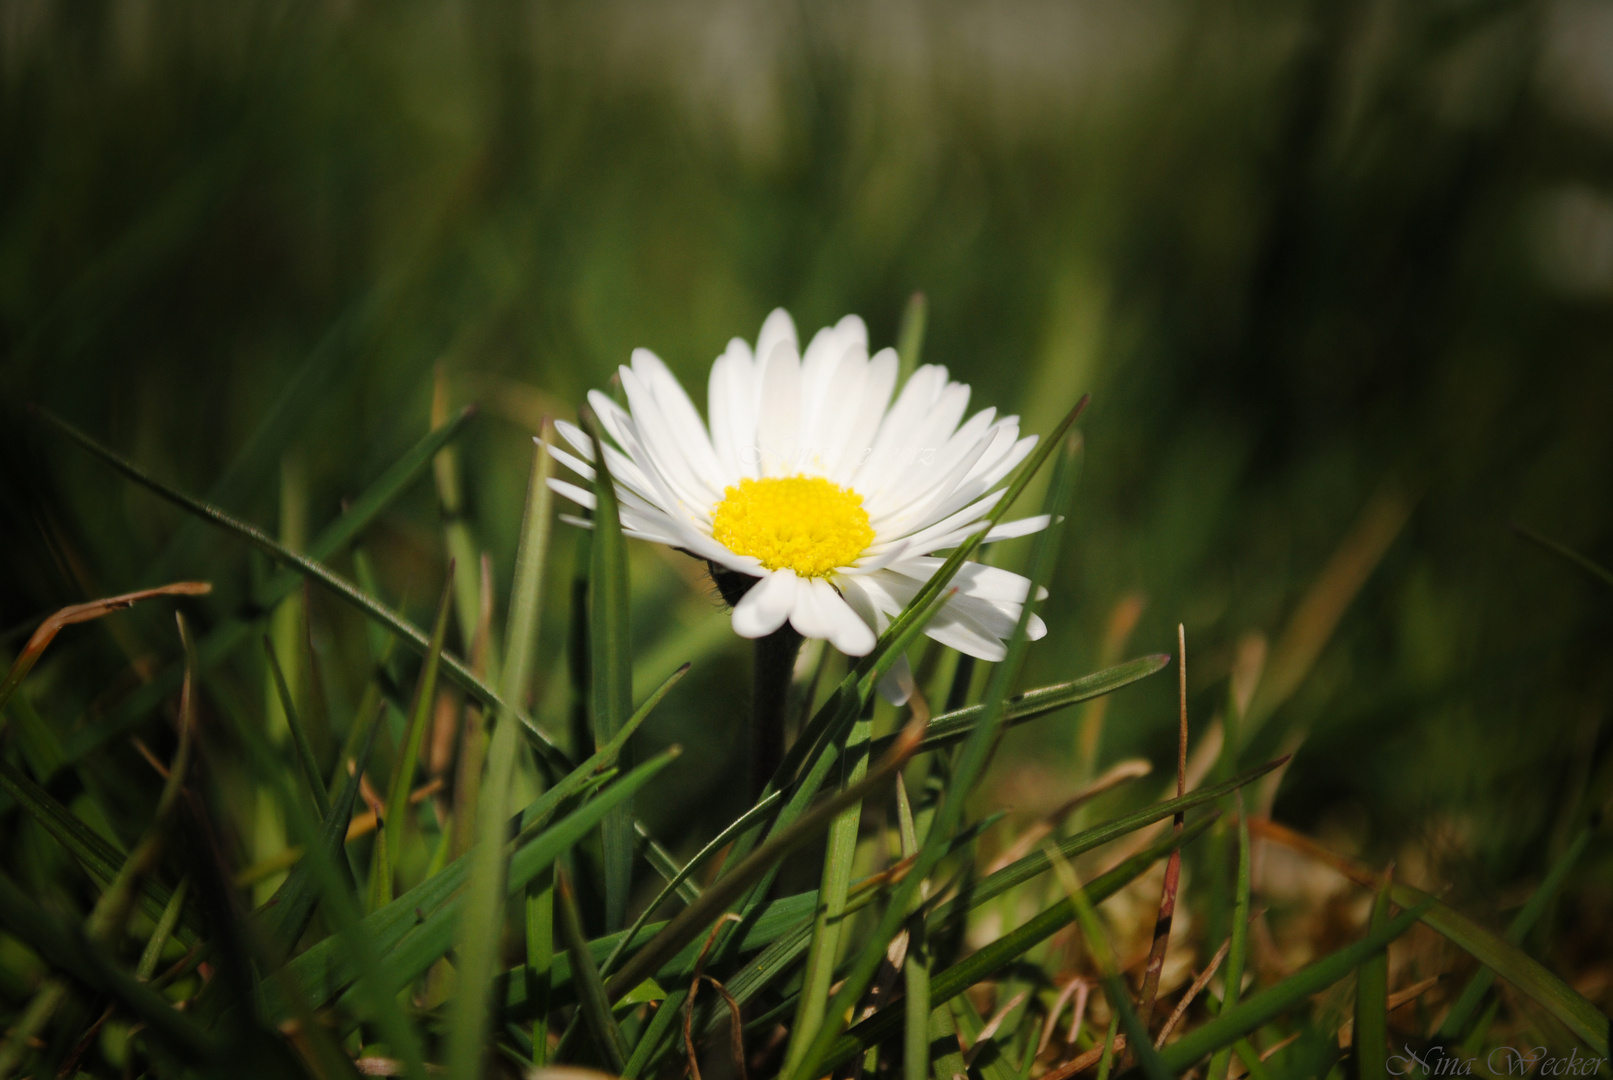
(1302,254)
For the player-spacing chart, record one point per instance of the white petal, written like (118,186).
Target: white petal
(821,613)
(894,445)
(769,602)
(571,491)
(682,416)
(575,464)
(777,327)
(853,331)
(897,684)
(858,442)
(778,412)
(1022,527)
(731,405)
(668,446)
(577,437)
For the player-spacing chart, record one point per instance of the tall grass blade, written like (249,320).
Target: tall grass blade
(421,709)
(971,762)
(1238,945)
(591,989)
(1371,1036)
(307,766)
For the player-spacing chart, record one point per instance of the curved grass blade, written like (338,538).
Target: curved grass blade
(1520,969)
(611,668)
(1273,1001)
(315,570)
(80,613)
(1595,570)
(1473,993)
(951,728)
(224,638)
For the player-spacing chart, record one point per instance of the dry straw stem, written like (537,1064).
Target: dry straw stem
(81,613)
(1173,866)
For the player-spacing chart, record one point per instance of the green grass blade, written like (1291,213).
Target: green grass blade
(836,880)
(1472,995)
(986,962)
(420,712)
(540,961)
(288,913)
(98,857)
(970,763)
(683,929)
(344,589)
(611,667)
(307,766)
(320,972)
(591,994)
(716,844)
(919,1019)
(1237,949)
(526,593)
(951,728)
(162,933)
(1038,862)
(1371,1035)
(1508,961)
(431,938)
(1268,1004)
(66,948)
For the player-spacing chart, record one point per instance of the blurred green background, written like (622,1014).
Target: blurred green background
(1331,265)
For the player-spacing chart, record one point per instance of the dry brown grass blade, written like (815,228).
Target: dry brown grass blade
(736,1023)
(1173,866)
(1113,777)
(80,613)
(1193,991)
(1082,1062)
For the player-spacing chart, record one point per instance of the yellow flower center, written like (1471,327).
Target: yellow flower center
(805,523)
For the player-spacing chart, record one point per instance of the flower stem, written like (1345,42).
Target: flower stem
(775,664)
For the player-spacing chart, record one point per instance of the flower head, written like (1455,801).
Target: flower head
(807,477)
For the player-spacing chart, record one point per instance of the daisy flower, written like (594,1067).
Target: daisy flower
(809,479)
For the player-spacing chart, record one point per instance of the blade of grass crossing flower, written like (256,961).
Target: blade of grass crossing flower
(307,766)
(420,713)
(611,667)
(984,963)
(551,753)
(951,728)
(1238,947)
(1292,992)
(970,764)
(835,881)
(1371,1037)
(591,990)
(1472,995)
